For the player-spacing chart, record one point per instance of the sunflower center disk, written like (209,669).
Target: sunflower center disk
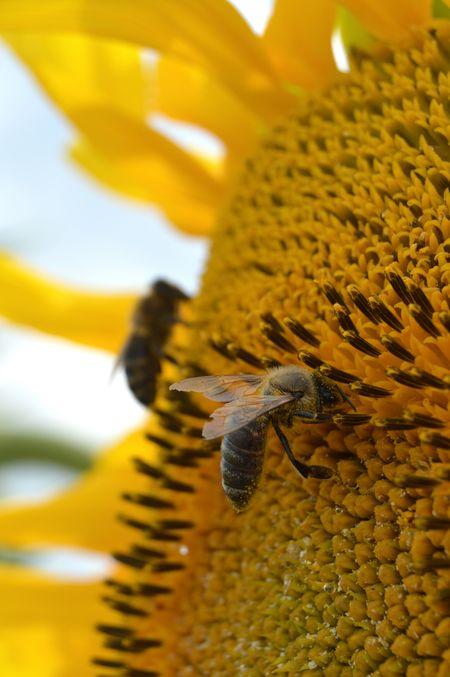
(332,253)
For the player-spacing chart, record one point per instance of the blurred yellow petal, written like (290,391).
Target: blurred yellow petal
(88,80)
(186,213)
(77,71)
(96,320)
(141,163)
(209,33)
(298,39)
(388,19)
(45,625)
(206,103)
(85,514)
(42,589)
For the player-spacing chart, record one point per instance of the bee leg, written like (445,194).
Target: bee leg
(317,471)
(170,358)
(345,397)
(313,417)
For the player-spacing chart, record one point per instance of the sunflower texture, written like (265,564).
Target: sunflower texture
(329,251)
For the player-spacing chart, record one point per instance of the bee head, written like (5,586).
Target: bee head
(168,291)
(330,395)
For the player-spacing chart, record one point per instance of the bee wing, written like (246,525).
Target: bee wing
(239,413)
(119,361)
(221,388)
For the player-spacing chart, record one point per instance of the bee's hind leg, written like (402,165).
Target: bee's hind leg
(317,471)
(313,417)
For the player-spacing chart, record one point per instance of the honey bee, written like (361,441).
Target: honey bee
(251,403)
(151,323)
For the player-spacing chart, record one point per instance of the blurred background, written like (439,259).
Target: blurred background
(59,406)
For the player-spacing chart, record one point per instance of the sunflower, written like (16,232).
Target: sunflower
(329,225)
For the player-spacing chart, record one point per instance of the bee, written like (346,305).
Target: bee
(251,403)
(151,323)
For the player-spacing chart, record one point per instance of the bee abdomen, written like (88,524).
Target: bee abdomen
(242,463)
(141,367)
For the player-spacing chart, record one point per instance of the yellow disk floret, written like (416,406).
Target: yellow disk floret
(332,253)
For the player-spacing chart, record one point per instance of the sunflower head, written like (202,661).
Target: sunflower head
(329,253)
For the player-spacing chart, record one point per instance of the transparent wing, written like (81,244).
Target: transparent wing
(238,413)
(119,361)
(221,388)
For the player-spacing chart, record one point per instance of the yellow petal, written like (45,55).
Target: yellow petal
(77,71)
(96,320)
(46,626)
(101,88)
(390,20)
(85,514)
(209,33)
(298,39)
(206,103)
(141,163)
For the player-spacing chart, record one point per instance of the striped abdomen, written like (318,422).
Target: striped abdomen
(141,367)
(242,462)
